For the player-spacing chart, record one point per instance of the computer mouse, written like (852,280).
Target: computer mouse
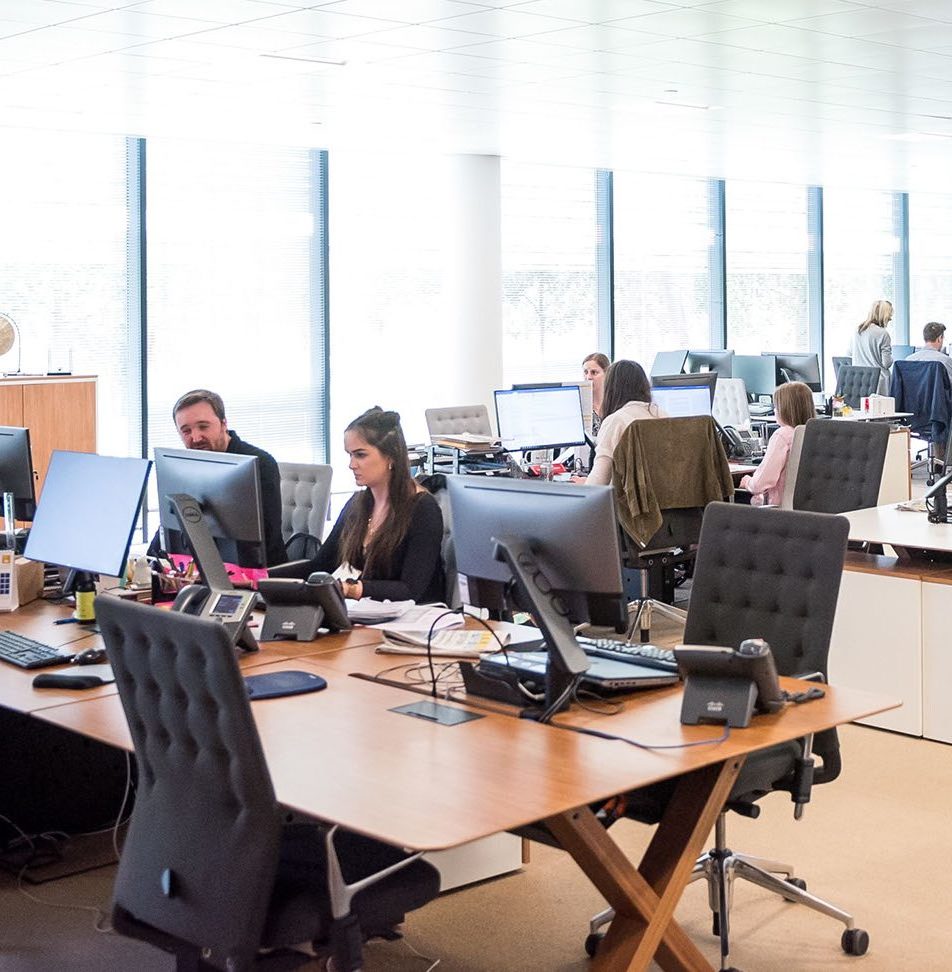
(90,656)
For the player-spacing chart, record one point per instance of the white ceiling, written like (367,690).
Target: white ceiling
(828,91)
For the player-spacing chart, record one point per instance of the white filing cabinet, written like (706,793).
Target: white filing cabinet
(876,643)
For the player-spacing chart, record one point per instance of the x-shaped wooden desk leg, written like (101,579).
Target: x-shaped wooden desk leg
(644,899)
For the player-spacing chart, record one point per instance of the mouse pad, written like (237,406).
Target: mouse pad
(274,685)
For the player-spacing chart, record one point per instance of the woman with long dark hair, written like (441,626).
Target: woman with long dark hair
(626,399)
(387,540)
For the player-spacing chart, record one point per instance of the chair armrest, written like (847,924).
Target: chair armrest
(298,569)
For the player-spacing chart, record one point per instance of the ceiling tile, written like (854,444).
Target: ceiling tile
(927,38)
(596,11)
(326,24)
(405,11)
(685,23)
(862,22)
(137,24)
(427,37)
(599,37)
(780,11)
(505,23)
(215,11)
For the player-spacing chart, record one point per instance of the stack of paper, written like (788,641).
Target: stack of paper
(369,611)
(455,644)
(467,441)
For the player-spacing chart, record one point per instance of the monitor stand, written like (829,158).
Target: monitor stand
(210,565)
(566,659)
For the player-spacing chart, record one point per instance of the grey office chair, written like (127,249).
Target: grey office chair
(841,466)
(730,406)
(923,388)
(435,484)
(209,871)
(305,502)
(854,383)
(458,418)
(772,574)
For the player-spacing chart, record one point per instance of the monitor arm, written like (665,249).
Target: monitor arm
(192,521)
(566,659)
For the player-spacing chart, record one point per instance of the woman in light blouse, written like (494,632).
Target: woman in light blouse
(594,367)
(793,404)
(627,399)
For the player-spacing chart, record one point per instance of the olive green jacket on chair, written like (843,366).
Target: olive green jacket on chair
(674,463)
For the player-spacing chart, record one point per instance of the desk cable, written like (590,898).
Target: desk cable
(101,922)
(429,637)
(598,734)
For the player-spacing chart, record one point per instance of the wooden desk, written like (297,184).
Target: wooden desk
(38,620)
(343,756)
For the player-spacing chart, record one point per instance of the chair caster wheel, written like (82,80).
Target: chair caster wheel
(797,883)
(592,942)
(855,941)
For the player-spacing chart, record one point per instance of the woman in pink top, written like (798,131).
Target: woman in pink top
(793,404)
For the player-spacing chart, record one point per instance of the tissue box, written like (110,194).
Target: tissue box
(881,405)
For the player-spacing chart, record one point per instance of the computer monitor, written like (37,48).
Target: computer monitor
(561,549)
(227,488)
(759,373)
(586,395)
(540,417)
(668,363)
(705,379)
(16,470)
(798,367)
(902,351)
(680,401)
(715,360)
(88,512)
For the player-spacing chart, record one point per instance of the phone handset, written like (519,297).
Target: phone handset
(231,608)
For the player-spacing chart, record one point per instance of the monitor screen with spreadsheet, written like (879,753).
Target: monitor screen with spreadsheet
(539,418)
(683,400)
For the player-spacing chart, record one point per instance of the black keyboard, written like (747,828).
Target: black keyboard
(27,653)
(651,656)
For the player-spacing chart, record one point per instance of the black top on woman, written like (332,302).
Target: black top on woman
(391,531)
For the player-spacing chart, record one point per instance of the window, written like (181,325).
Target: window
(861,261)
(666,253)
(63,269)
(235,290)
(549,254)
(930,243)
(768,254)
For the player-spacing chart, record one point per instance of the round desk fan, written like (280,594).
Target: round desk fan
(9,335)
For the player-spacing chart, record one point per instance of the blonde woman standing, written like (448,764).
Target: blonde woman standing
(871,346)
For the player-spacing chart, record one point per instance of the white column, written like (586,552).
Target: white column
(472,285)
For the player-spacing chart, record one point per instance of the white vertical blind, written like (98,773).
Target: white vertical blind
(63,275)
(549,253)
(859,249)
(664,245)
(768,252)
(232,297)
(930,263)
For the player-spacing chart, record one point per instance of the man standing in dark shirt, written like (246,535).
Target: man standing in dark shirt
(199,417)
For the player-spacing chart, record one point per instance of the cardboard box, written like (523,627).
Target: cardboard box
(29,580)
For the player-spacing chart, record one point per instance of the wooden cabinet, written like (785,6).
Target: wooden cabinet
(59,411)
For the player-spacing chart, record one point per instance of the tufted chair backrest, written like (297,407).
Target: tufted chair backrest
(200,857)
(305,498)
(841,466)
(458,418)
(730,403)
(856,382)
(772,574)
